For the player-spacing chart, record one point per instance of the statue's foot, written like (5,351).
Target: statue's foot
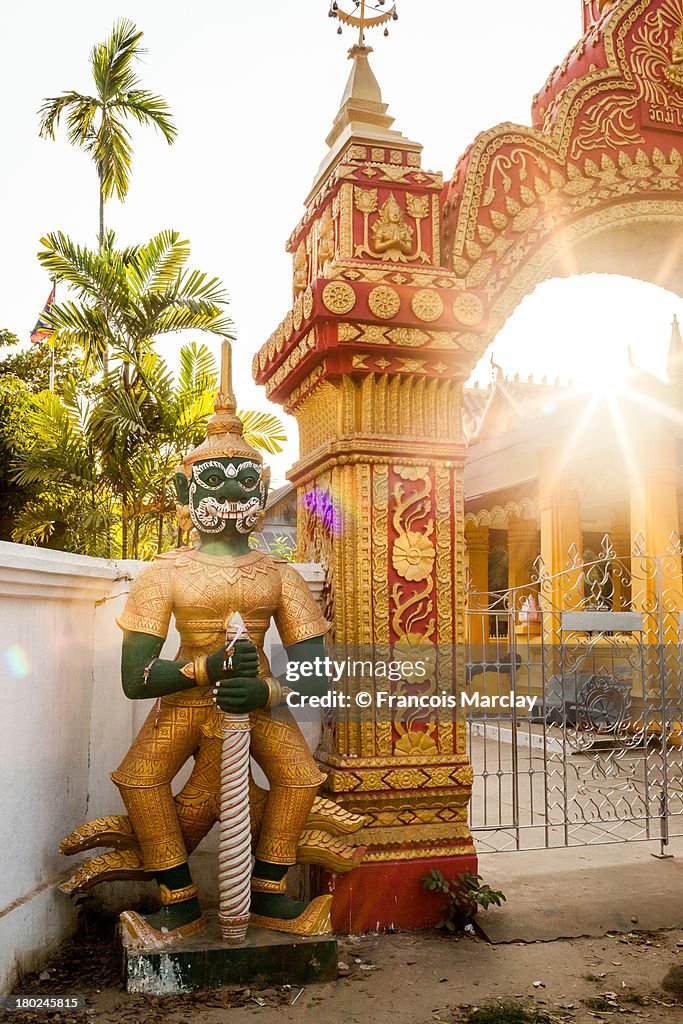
(177,919)
(283,914)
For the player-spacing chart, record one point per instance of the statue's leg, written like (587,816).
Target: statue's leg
(198,802)
(144,778)
(279,747)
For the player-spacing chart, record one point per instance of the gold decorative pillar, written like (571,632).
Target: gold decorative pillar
(654,500)
(371,363)
(656,585)
(620,535)
(561,543)
(654,522)
(477,546)
(523,550)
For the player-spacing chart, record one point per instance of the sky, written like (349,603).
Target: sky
(254,88)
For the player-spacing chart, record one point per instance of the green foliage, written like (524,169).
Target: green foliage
(600,1003)
(97,123)
(125,298)
(465,895)
(280,547)
(15,440)
(507,1013)
(32,364)
(101,468)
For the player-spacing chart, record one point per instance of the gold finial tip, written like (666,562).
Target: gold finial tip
(225,399)
(363,19)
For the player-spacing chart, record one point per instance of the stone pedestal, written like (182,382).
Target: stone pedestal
(203,961)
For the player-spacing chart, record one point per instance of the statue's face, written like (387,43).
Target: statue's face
(225,496)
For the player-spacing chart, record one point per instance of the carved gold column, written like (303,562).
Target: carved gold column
(561,546)
(654,523)
(654,498)
(620,535)
(371,361)
(477,546)
(523,550)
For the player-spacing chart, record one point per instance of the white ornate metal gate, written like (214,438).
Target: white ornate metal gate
(591,661)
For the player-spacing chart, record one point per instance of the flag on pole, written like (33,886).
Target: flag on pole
(41,331)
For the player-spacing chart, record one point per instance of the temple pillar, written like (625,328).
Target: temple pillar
(654,500)
(368,361)
(561,539)
(477,546)
(620,536)
(523,550)
(560,531)
(656,575)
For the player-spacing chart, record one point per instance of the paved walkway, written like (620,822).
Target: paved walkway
(590,891)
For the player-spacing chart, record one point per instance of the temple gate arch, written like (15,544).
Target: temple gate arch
(593,186)
(399,285)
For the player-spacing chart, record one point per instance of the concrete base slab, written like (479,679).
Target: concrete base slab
(555,894)
(203,961)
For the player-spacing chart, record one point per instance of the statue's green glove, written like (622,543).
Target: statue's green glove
(244,662)
(241,694)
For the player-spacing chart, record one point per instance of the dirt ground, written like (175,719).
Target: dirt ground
(410,978)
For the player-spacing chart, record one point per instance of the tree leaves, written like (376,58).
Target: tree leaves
(103,468)
(263,430)
(97,124)
(127,297)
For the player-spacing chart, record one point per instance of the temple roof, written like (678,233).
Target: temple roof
(507,403)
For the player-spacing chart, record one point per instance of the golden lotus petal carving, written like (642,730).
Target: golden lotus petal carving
(413,556)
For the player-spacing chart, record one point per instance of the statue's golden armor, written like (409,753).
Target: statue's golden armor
(203,592)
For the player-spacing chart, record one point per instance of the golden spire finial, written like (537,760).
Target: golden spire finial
(225,430)
(225,399)
(361,20)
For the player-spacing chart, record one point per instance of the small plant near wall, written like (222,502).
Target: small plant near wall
(465,895)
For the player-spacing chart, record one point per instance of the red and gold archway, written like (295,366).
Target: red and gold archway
(594,185)
(399,285)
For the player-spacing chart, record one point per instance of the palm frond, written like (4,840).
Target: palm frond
(198,370)
(147,108)
(118,421)
(112,60)
(91,272)
(191,317)
(263,430)
(113,155)
(81,122)
(156,264)
(195,285)
(79,108)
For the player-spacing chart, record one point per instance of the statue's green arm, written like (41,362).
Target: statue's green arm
(308,651)
(142,649)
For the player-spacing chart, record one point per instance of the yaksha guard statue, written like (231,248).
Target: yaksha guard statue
(222,487)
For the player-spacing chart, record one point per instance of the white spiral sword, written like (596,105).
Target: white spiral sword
(234,843)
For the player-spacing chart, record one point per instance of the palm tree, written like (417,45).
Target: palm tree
(73,508)
(97,124)
(104,468)
(128,297)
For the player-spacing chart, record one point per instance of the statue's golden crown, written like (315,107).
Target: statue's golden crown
(225,430)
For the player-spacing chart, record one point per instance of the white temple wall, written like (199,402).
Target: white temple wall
(65,726)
